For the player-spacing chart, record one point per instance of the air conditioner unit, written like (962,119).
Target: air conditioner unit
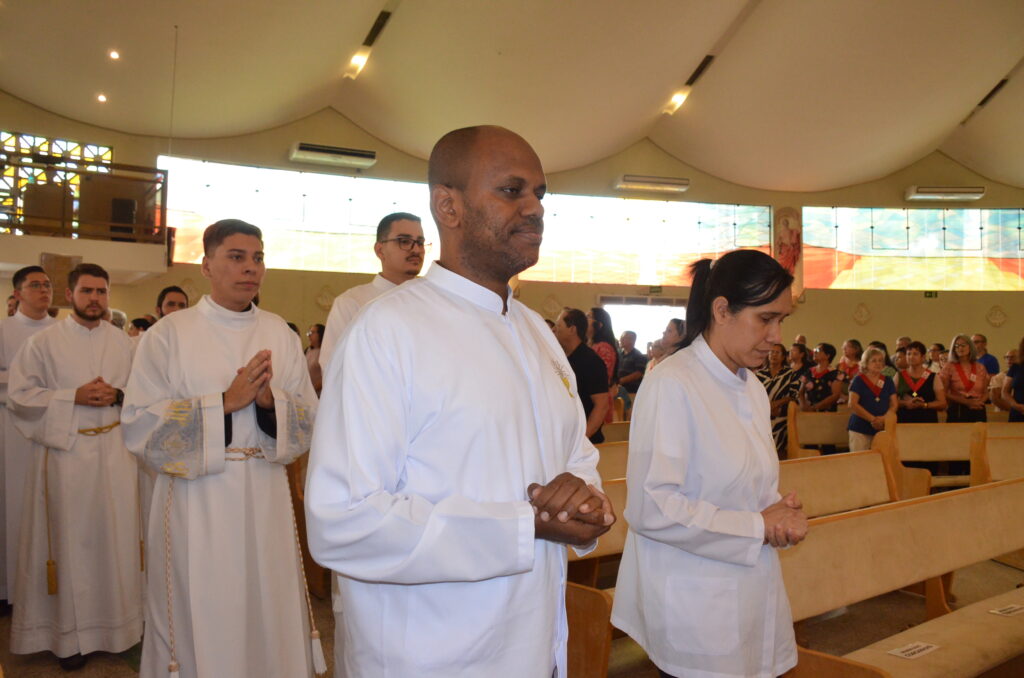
(944,193)
(318,154)
(638,182)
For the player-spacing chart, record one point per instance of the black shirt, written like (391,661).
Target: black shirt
(591,379)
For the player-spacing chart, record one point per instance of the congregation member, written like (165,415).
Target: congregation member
(899,359)
(995,385)
(137,326)
(400,246)
(33,294)
(783,387)
(219,400)
(589,369)
(673,335)
(966,382)
(601,338)
(315,334)
(889,370)
(991,363)
(800,339)
(450,464)
(655,353)
(12,305)
(935,352)
(872,397)
(823,386)
(631,367)
(919,391)
(849,363)
(700,586)
(78,587)
(800,362)
(1013,386)
(171,299)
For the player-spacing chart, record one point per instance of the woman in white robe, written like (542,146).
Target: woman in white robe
(700,587)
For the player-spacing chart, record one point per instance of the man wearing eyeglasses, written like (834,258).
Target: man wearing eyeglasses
(33,292)
(990,362)
(400,247)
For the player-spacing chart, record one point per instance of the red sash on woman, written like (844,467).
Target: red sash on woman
(968,382)
(914,386)
(850,371)
(877,390)
(817,375)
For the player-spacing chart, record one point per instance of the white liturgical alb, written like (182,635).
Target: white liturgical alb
(438,410)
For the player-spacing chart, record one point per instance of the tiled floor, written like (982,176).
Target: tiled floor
(862,625)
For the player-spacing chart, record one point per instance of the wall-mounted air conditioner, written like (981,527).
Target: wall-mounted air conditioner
(336,156)
(944,193)
(638,182)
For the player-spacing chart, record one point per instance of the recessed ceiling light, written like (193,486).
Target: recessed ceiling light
(102,98)
(677,100)
(359,59)
(114,54)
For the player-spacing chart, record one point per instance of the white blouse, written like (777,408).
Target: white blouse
(697,587)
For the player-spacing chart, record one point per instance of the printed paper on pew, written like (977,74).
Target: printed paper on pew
(1008,610)
(914,650)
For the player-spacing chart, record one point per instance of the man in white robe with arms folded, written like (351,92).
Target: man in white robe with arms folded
(450,465)
(79,578)
(33,292)
(218,402)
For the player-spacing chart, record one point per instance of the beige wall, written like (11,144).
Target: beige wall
(824,315)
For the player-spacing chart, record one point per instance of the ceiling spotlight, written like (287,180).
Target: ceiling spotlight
(359,59)
(102,98)
(676,101)
(115,55)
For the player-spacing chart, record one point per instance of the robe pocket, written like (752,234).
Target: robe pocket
(702,614)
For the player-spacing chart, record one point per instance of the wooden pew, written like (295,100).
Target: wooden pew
(612,462)
(815,428)
(588,608)
(853,556)
(1000,458)
(616,432)
(938,443)
(840,482)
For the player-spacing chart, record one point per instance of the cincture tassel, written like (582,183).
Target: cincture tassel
(319,663)
(51,564)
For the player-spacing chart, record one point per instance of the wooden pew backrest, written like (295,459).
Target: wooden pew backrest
(934,442)
(1001,456)
(616,432)
(614,540)
(612,461)
(838,482)
(815,428)
(854,556)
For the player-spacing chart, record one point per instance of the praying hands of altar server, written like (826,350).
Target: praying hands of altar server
(218,402)
(450,464)
(78,587)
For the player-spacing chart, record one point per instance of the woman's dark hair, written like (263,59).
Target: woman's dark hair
(603,327)
(829,350)
(805,354)
(603,332)
(744,277)
(141,324)
(885,351)
(857,345)
(917,346)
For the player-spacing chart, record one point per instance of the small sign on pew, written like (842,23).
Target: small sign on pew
(1008,610)
(914,650)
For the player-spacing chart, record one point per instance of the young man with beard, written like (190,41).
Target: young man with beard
(400,247)
(79,580)
(218,402)
(33,294)
(450,465)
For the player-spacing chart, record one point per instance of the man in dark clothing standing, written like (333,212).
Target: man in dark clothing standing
(591,373)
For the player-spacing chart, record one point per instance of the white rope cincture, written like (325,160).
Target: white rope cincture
(172,667)
(319,662)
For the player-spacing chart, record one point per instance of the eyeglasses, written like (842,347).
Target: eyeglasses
(406,243)
(39,285)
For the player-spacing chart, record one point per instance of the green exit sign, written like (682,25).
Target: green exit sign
(931,295)
(654,289)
